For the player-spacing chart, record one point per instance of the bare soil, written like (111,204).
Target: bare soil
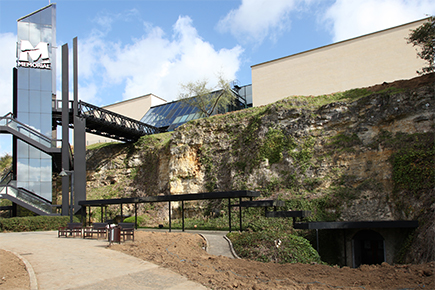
(184,253)
(414,83)
(13,273)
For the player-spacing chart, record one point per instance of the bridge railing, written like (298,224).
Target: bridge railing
(90,111)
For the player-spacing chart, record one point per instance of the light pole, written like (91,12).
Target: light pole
(71,204)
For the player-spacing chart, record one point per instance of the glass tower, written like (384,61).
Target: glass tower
(36,84)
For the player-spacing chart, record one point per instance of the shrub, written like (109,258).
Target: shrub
(273,246)
(34,223)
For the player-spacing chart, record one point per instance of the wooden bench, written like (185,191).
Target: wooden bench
(72,230)
(127,231)
(100,229)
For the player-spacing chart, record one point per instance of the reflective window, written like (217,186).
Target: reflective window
(34,104)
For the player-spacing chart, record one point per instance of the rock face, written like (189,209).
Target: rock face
(359,159)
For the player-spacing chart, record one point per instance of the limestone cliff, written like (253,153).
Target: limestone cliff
(365,154)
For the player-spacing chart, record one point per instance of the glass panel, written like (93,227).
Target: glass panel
(46,189)
(34,101)
(23,117)
(190,117)
(177,120)
(23,30)
(45,16)
(34,18)
(23,169)
(23,78)
(34,153)
(45,81)
(46,33)
(34,34)
(34,187)
(35,79)
(45,103)
(23,150)
(23,184)
(46,170)
(183,119)
(34,169)
(46,128)
(34,121)
(23,101)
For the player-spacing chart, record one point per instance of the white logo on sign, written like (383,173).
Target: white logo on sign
(36,57)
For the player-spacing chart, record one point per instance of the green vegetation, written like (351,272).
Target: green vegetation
(34,223)
(344,142)
(424,37)
(272,246)
(141,220)
(5,162)
(102,145)
(413,162)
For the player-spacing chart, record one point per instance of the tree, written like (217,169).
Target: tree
(424,37)
(208,99)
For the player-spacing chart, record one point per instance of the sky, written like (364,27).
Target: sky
(131,48)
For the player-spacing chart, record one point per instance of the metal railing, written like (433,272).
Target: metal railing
(27,197)
(9,121)
(90,111)
(6,179)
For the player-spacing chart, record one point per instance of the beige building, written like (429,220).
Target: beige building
(133,108)
(383,56)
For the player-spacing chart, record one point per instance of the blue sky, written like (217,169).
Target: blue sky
(131,48)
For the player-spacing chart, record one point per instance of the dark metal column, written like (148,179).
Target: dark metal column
(135,215)
(79,139)
(229,214)
(240,213)
(182,215)
(65,130)
(170,225)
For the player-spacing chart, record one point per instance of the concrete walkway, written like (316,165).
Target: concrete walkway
(217,244)
(76,263)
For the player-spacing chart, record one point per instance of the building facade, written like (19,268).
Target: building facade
(171,115)
(32,104)
(383,56)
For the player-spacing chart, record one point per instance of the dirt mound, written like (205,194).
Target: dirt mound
(184,253)
(427,79)
(13,273)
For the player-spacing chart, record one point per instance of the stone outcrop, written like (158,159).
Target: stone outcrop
(344,152)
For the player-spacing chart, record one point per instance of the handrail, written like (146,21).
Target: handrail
(28,197)
(7,178)
(87,110)
(26,130)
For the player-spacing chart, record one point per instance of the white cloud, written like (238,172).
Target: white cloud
(7,51)
(255,20)
(352,18)
(155,63)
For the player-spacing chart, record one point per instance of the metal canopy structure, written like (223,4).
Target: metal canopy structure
(177,198)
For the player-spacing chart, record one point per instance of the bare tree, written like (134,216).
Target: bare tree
(208,99)
(424,37)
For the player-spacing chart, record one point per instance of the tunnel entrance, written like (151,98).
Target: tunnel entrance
(368,248)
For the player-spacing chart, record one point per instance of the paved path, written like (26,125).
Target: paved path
(75,263)
(217,244)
